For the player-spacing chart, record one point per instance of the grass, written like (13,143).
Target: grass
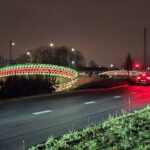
(128,132)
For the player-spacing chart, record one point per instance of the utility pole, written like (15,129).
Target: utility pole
(10,50)
(145,65)
(10,44)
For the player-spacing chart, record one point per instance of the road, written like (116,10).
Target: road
(28,122)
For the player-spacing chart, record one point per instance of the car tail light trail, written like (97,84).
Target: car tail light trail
(143,75)
(138,77)
(148,78)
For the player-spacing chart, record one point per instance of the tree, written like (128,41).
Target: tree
(128,63)
(79,59)
(43,54)
(62,56)
(2,61)
(23,58)
(93,64)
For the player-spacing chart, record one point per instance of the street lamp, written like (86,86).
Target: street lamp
(10,45)
(72,49)
(51,44)
(30,55)
(72,62)
(111,65)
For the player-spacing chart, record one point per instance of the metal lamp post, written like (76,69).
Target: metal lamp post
(73,61)
(30,55)
(10,45)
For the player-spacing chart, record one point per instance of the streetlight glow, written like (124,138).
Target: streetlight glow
(28,53)
(73,62)
(10,50)
(111,65)
(51,44)
(29,56)
(12,43)
(72,49)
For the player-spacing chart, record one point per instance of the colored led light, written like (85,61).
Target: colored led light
(42,69)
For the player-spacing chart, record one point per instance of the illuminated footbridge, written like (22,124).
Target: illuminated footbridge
(45,70)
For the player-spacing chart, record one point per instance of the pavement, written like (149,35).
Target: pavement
(30,121)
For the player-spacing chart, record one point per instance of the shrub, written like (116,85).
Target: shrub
(22,86)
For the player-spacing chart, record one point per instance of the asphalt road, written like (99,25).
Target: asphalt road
(28,122)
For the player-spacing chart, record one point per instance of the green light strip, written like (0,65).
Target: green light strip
(39,69)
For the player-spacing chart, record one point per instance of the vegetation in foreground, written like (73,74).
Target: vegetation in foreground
(127,132)
(24,86)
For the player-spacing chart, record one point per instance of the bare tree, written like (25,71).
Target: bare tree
(128,63)
(2,61)
(23,58)
(79,59)
(43,54)
(93,64)
(62,56)
(54,55)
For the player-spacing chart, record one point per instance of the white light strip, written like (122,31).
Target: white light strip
(91,102)
(117,96)
(42,112)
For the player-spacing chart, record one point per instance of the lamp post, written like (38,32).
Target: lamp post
(10,46)
(145,38)
(112,65)
(72,62)
(30,55)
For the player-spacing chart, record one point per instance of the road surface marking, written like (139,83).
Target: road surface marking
(91,102)
(117,96)
(42,112)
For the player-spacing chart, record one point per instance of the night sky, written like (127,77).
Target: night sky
(104,30)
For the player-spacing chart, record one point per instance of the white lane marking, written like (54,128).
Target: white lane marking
(42,112)
(117,96)
(91,102)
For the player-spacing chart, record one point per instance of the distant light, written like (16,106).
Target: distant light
(137,65)
(148,68)
(148,77)
(138,77)
(12,43)
(28,53)
(51,45)
(73,62)
(72,49)
(111,65)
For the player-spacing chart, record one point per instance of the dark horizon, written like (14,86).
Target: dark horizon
(104,31)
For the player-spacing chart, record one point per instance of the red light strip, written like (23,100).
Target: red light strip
(42,69)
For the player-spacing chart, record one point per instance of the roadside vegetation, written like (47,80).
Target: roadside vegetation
(127,132)
(24,86)
(103,82)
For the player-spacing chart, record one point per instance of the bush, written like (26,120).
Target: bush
(22,86)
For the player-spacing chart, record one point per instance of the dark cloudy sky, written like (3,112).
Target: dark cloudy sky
(104,30)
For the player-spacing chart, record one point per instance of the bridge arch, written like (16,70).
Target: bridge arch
(42,69)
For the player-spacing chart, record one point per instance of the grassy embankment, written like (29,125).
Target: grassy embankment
(127,132)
